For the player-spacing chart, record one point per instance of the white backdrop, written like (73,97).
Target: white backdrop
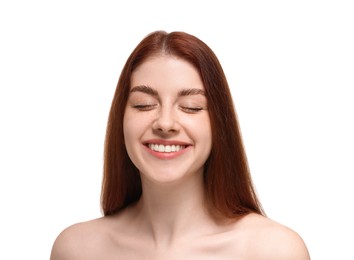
(290,65)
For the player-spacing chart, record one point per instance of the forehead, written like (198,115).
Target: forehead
(166,71)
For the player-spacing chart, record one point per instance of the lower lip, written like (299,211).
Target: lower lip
(167,156)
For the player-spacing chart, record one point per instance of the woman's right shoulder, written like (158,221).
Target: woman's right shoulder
(81,240)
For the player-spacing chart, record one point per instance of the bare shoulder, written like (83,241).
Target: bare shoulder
(271,240)
(80,241)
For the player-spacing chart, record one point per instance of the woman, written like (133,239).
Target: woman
(176,181)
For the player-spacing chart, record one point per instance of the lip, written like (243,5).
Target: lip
(170,155)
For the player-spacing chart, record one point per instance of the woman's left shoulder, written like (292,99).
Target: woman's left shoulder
(269,239)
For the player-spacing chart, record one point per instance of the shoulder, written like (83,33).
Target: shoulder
(267,239)
(79,241)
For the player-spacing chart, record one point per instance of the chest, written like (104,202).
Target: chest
(221,247)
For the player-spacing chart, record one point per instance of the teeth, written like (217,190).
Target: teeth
(166,148)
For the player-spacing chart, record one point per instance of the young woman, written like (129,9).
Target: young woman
(176,180)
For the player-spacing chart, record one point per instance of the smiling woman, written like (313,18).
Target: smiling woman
(176,182)
(167,116)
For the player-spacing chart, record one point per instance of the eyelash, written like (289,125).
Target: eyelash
(145,107)
(190,110)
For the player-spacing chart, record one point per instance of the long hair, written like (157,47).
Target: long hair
(227,180)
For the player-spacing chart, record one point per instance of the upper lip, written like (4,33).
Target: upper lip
(165,142)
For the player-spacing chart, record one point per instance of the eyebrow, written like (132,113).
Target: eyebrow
(191,91)
(145,89)
(184,92)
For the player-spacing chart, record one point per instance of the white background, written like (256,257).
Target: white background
(290,66)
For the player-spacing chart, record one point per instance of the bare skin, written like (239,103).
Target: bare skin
(171,220)
(126,236)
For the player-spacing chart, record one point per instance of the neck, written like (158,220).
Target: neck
(168,211)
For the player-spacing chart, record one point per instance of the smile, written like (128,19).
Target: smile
(166,148)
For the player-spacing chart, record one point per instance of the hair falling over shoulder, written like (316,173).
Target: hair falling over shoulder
(228,185)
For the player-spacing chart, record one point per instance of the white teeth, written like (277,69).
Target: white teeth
(161,148)
(166,148)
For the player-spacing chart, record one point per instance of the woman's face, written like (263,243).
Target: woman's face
(167,130)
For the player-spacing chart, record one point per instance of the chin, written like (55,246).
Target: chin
(172,176)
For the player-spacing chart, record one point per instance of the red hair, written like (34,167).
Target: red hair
(227,180)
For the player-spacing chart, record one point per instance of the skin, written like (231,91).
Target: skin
(170,221)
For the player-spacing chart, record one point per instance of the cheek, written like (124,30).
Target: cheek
(207,134)
(129,130)
(133,126)
(130,136)
(207,138)
(201,130)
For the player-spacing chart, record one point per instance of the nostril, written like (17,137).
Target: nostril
(168,129)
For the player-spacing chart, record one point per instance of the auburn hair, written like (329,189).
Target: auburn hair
(227,180)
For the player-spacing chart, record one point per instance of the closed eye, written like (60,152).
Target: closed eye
(145,107)
(191,110)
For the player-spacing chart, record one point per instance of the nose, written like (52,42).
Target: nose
(166,121)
